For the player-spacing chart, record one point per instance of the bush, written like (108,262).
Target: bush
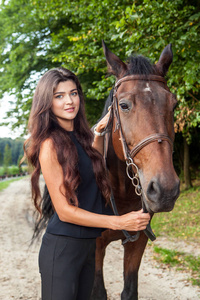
(25,169)
(1,171)
(13,170)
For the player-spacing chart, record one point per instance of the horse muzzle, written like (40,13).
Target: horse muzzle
(160,198)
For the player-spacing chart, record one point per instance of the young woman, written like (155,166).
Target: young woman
(62,146)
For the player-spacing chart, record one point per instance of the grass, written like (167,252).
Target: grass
(180,261)
(5,184)
(183,223)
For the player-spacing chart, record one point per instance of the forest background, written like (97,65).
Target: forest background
(37,35)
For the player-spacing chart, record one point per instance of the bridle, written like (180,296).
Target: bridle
(129,154)
(159,137)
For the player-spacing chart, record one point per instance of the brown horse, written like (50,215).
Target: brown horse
(139,155)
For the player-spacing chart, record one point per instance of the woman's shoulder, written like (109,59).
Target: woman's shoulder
(47,149)
(47,144)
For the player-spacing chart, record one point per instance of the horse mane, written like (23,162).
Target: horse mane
(136,65)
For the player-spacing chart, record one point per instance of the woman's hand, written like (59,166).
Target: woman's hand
(98,142)
(103,123)
(134,221)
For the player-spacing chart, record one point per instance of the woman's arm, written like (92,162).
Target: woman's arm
(53,176)
(98,144)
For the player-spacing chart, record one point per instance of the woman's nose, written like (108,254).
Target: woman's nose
(68,99)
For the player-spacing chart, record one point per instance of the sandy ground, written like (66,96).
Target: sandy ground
(19,277)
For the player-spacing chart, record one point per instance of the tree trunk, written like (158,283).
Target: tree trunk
(186,167)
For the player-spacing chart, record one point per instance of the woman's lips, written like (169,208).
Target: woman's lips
(71,109)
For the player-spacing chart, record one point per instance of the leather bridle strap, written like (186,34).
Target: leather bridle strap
(139,77)
(159,137)
(129,238)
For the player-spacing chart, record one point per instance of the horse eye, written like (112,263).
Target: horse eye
(124,106)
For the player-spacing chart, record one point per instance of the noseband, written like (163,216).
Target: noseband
(129,154)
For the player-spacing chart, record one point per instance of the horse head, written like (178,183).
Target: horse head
(143,125)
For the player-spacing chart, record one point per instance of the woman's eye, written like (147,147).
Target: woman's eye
(124,106)
(74,94)
(59,96)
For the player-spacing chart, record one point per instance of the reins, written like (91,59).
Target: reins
(129,154)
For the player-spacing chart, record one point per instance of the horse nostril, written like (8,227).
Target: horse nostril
(153,191)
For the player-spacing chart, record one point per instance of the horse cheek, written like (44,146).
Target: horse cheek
(117,145)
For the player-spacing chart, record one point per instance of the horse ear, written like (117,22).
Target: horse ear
(115,65)
(165,60)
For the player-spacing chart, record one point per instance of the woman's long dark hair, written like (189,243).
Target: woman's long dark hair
(42,125)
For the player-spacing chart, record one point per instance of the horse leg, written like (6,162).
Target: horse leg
(99,291)
(133,252)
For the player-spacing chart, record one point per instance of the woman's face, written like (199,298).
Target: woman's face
(66,102)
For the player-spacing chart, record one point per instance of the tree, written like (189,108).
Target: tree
(17,150)
(19,164)
(7,159)
(3,143)
(161,22)
(16,147)
(38,35)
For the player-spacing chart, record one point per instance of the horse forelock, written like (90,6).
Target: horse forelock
(140,65)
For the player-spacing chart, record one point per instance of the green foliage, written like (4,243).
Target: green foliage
(1,171)
(38,35)
(181,261)
(183,221)
(19,164)
(16,148)
(7,159)
(170,257)
(13,171)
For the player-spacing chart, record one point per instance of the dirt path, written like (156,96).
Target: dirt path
(19,277)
